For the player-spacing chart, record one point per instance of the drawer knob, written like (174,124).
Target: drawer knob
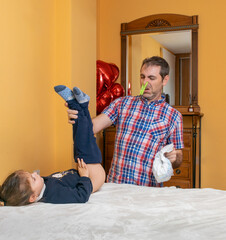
(178,171)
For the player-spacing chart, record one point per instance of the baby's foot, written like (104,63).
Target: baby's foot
(64,92)
(80,96)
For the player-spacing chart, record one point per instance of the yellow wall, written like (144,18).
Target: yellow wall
(76,66)
(27,73)
(212,84)
(36,42)
(84,48)
(134,60)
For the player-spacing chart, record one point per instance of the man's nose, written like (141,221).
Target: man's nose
(145,81)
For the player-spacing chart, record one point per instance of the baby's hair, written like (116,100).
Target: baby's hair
(16,190)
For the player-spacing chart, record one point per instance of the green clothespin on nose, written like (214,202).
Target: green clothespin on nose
(143,88)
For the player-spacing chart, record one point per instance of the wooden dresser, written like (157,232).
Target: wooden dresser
(188,174)
(183,176)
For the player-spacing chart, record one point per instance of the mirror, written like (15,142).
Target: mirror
(171,36)
(175,48)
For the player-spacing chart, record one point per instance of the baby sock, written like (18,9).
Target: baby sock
(83,100)
(69,97)
(64,92)
(80,96)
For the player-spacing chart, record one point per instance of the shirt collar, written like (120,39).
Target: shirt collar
(156,102)
(41,193)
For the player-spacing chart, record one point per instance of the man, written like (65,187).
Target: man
(145,124)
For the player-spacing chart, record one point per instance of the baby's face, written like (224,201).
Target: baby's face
(36,182)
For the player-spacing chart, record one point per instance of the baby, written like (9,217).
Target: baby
(71,186)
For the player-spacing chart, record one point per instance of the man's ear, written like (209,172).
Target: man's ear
(32,198)
(165,80)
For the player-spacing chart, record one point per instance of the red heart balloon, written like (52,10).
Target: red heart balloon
(103,101)
(115,72)
(100,82)
(109,72)
(117,90)
(129,89)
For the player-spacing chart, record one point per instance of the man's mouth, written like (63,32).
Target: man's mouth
(146,89)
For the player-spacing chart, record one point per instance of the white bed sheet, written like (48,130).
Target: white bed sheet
(121,212)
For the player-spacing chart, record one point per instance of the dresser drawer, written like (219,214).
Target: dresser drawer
(110,137)
(109,150)
(186,154)
(187,135)
(183,171)
(178,183)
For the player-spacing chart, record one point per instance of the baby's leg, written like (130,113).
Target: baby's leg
(97,175)
(85,145)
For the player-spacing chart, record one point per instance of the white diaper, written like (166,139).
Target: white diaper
(162,167)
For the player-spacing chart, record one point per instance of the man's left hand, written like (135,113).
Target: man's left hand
(175,157)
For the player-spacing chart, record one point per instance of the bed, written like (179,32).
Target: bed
(120,212)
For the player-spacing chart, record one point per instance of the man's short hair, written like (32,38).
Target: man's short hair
(157,61)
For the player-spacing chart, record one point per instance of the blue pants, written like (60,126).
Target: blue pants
(85,145)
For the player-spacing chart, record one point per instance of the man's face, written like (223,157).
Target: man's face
(151,74)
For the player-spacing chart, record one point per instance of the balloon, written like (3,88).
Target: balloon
(107,90)
(109,72)
(117,90)
(103,101)
(100,82)
(129,89)
(115,72)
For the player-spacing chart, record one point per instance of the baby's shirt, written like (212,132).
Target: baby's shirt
(66,187)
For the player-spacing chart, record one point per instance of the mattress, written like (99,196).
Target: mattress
(122,211)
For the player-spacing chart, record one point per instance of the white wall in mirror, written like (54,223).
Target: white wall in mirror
(170,86)
(175,41)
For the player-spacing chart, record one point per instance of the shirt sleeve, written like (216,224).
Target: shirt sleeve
(176,135)
(112,111)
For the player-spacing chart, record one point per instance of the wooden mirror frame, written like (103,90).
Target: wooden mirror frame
(163,23)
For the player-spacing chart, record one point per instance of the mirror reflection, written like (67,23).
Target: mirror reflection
(176,48)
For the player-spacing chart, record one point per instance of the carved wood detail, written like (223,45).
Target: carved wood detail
(158,23)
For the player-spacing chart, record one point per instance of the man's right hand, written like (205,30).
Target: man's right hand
(100,122)
(72,114)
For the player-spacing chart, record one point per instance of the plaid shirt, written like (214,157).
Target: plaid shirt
(142,130)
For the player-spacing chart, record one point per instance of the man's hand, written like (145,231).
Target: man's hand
(100,122)
(175,157)
(82,168)
(72,114)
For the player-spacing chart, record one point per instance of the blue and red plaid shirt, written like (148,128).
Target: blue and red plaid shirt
(142,130)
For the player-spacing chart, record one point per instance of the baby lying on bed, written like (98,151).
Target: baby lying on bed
(71,186)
